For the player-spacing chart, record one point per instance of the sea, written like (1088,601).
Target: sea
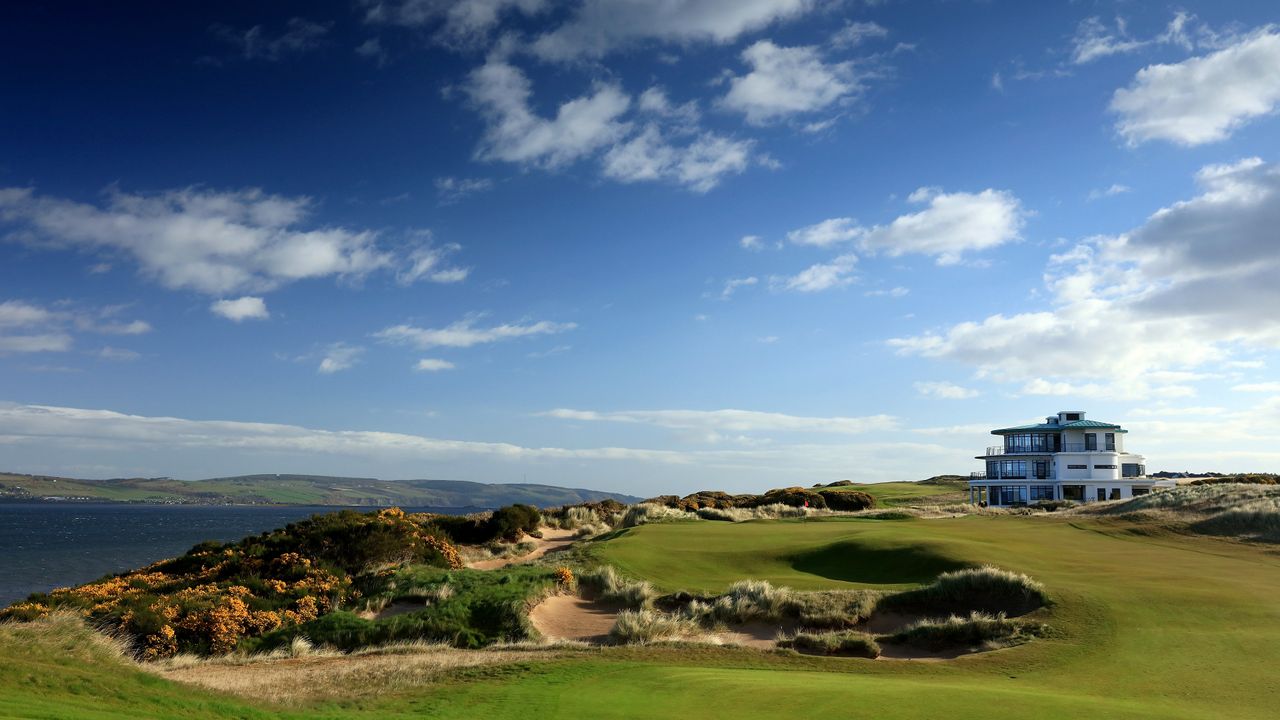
(49,545)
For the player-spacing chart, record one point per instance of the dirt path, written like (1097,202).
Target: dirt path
(569,617)
(552,540)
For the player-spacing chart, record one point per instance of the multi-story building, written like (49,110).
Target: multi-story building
(1064,458)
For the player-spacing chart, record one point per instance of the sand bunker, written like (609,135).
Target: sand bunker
(569,617)
(552,540)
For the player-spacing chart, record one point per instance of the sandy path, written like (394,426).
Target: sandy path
(552,540)
(569,617)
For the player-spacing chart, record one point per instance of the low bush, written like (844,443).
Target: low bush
(986,589)
(512,521)
(645,513)
(609,586)
(793,496)
(977,630)
(847,644)
(847,500)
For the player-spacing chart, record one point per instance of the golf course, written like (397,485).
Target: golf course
(1144,622)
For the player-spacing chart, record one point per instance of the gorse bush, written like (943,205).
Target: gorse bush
(848,644)
(977,630)
(847,500)
(985,589)
(216,596)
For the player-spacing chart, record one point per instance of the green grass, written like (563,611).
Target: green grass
(1145,625)
(897,494)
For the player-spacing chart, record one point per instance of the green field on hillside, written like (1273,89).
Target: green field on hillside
(892,494)
(1145,625)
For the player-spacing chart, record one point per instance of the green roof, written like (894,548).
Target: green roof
(1046,427)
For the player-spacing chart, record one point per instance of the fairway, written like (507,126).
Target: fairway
(1144,626)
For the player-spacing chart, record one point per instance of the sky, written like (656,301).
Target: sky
(647,246)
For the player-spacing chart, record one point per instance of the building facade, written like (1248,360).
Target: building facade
(1067,457)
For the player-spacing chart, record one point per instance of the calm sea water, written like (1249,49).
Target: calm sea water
(48,545)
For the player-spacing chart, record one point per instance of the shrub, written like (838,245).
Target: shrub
(848,500)
(513,520)
(985,589)
(647,513)
(848,644)
(610,586)
(978,630)
(793,496)
(639,627)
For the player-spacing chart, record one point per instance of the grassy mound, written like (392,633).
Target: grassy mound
(977,631)
(986,589)
(846,644)
(1244,510)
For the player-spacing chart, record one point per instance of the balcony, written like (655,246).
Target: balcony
(1065,447)
(1083,447)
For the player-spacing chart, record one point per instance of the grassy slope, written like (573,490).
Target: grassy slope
(891,494)
(1151,627)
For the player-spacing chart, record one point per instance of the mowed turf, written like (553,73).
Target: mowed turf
(893,494)
(1146,626)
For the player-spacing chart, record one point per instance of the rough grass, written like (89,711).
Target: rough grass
(977,631)
(984,589)
(774,511)
(645,513)
(610,586)
(644,627)
(847,644)
(1248,511)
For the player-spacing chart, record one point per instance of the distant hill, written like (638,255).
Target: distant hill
(294,490)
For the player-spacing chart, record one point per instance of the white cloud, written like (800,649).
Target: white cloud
(768,339)
(945,390)
(339,356)
(256,43)
(1093,40)
(426,262)
(698,165)
(1191,285)
(1115,189)
(372,49)
(786,81)
(951,225)
(450,190)
(118,354)
(895,292)
(28,328)
(738,421)
(1261,387)
(240,309)
(754,243)
(856,33)
(1203,99)
(818,277)
(433,365)
(826,233)
(204,240)
(515,134)
(464,333)
(600,26)
(458,21)
(731,286)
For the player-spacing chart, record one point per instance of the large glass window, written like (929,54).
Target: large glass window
(1133,470)
(1091,441)
(1009,494)
(1032,442)
(1011,468)
(1111,442)
(1042,469)
(1073,492)
(1041,492)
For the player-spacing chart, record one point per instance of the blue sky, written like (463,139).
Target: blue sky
(640,246)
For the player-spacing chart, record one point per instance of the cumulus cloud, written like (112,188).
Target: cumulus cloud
(951,225)
(737,421)
(731,286)
(945,390)
(754,243)
(1204,99)
(210,241)
(433,365)
(1185,289)
(240,309)
(698,164)
(515,133)
(786,81)
(601,26)
(464,333)
(818,277)
(339,356)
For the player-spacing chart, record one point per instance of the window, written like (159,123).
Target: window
(1104,467)
(1072,417)
(1077,467)
(1111,442)
(1102,493)
(1073,492)
(1091,441)
(1133,470)
(1115,493)
(1041,492)
(1009,495)
(1042,469)
(1140,491)
(1032,442)
(1016,469)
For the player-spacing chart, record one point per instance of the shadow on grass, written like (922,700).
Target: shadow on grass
(854,562)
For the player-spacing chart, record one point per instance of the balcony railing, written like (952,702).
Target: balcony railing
(1082,447)
(1065,447)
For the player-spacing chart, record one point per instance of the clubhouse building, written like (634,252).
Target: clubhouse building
(1067,457)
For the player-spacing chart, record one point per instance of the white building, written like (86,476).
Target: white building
(1064,458)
